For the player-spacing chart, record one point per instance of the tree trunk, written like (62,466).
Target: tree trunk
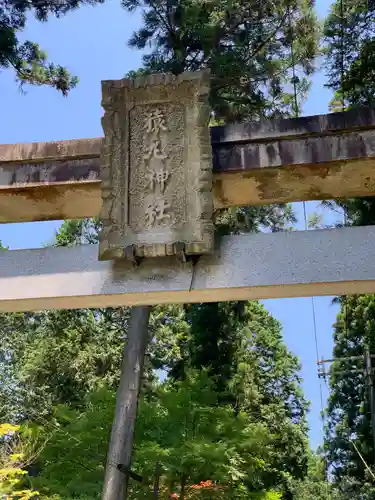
(182,492)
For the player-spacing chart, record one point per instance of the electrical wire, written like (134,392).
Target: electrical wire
(345,297)
(363,460)
(296,113)
(313,311)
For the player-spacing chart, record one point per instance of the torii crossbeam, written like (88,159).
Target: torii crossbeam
(299,159)
(254,266)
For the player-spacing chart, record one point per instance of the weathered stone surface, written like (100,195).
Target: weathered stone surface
(239,156)
(52,171)
(156,167)
(356,119)
(42,151)
(309,158)
(253,266)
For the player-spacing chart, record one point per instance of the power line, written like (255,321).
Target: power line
(296,113)
(313,311)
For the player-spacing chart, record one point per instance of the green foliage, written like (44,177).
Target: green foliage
(315,221)
(246,44)
(73,462)
(11,347)
(199,439)
(350,55)
(315,485)
(15,454)
(27,59)
(77,232)
(350,39)
(61,356)
(56,357)
(248,47)
(69,353)
(348,409)
(184,429)
(241,348)
(253,219)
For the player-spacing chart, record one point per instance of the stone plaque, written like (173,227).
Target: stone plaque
(156,167)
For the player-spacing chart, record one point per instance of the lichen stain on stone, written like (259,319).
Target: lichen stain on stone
(29,200)
(269,186)
(287,153)
(64,171)
(77,170)
(37,193)
(315,193)
(218,190)
(272,153)
(309,172)
(355,146)
(369,183)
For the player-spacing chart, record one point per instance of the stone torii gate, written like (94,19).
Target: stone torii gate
(155,180)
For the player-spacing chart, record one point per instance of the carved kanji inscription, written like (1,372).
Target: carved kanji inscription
(156,167)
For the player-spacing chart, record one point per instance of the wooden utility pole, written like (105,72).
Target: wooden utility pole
(121,442)
(370,384)
(369,377)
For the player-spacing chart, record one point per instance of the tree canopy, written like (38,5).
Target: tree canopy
(27,59)
(251,48)
(350,61)
(349,38)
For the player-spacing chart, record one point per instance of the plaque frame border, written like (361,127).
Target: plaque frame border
(118,99)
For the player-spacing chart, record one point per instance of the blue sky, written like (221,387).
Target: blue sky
(92,43)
